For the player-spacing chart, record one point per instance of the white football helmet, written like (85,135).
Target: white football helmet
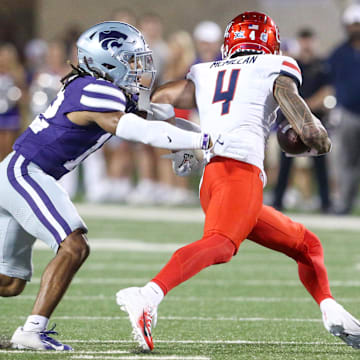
(117,52)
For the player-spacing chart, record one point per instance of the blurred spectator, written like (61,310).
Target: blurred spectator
(208,37)
(124,15)
(174,190)
(345,71)
(12,96)
(147,190)
(181,56)
(35,52)
(314,90)
(151,26)
(70,36)
(46,80)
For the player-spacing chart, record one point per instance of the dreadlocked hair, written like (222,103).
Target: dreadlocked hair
(76,71)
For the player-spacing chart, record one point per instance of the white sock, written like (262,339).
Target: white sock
(36,323)
(153,292)
(326,303)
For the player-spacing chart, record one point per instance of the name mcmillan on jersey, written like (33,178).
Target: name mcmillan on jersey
(236,61)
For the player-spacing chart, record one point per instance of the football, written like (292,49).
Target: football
(289,140)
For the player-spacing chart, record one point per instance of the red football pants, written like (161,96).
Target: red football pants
(231,197)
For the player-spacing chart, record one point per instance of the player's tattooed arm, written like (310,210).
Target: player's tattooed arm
(180,94)
(296,111)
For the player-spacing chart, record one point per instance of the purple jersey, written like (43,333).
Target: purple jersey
(56,144)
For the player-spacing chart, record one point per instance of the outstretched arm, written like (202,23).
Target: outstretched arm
(293,106)
(133,127)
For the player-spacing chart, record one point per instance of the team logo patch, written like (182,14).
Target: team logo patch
(264,37)
(253,27)
(239,34)
(110,39)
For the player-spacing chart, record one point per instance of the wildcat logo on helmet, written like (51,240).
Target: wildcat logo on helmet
(111,39)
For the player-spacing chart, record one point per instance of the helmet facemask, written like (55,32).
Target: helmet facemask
(140,72)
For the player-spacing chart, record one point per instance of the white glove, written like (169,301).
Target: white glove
(184,162)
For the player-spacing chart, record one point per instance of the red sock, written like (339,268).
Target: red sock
(191,259)
(312,271)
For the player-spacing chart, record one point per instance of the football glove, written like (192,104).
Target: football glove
(184,162)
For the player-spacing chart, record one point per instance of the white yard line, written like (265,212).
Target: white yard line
(204,282)
(231,342)
(123,245)
(135,357)
(133,266)
(192,215)
(186,318)
(40,352)
(107,281)
(96,355)
(197,299)
(195,215)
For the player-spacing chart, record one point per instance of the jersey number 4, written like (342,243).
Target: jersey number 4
(228,95)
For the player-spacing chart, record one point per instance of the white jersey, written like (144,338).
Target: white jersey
(236,96)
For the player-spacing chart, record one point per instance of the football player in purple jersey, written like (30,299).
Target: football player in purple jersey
(98,100)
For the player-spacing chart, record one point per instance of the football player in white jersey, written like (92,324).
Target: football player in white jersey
(239,96)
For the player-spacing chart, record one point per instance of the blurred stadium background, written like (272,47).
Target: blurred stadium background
(253,307)
(38,37)
(23,19)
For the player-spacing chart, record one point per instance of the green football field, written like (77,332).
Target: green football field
(252,308)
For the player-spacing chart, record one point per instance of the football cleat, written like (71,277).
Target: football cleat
(142,315)
(35,340)
(341,323)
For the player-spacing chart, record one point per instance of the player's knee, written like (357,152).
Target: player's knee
(225,247)
(310,249)
(11,286)
(77,246)
(312,242)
